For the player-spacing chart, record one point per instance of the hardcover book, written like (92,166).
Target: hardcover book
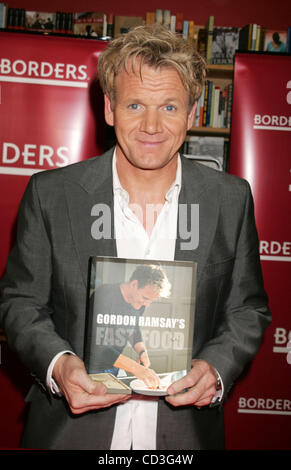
(122,24)
(225,43)
(140,323)
(88,24)
(39,21)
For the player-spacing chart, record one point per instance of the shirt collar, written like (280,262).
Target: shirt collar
(118,189)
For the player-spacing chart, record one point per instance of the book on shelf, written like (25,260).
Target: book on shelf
(275,40)
(140,316)
(225,43)
(16,18)
(214,106)
(150,18)
(288,45)
(40,21)
(159,16)
(251,37)
(123,23)
(209,35)
(186,30)
(63,23)
(202,42)
(88,24)
(211,150)
(167,18)
(179,23)
(3,15)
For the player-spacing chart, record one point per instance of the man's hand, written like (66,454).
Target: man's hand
(144,359)
(80,391)
(148,376)
(200,385)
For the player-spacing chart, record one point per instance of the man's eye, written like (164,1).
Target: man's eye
(170,107)
(134,106)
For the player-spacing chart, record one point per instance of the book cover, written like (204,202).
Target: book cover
(150,18)
(288,46)
(159,16)
(167,18)
(3,15)
(122,24)
(140,322)
(209,28)
(201,41)
(275,40)
(245,38)
(40,21)
(88,24)
(224,45)
(210,150)
(179,23)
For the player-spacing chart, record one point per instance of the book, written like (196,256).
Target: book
(209,34)
(191,31)
(275,40)
(167,18)
(159,16)
(88,24)
(179,23)
(173,23)
(245,37)
(185,30)
(225,43)
(122,24)
(3,15)
(63,23)
(201,41)
(140,317)
(16,18)
(210,150)
(150,18)
(288,46)
(40,21)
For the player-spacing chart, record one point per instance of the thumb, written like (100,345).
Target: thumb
(93,387)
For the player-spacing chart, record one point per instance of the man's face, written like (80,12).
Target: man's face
(141,297)
(151,116)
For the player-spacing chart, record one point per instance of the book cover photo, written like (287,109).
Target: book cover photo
(139,323)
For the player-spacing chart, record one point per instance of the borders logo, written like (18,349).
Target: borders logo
(267,406)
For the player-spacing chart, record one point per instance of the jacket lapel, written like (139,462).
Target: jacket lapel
(89,188)
(89,198)
(196,189)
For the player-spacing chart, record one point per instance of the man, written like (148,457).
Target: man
(151,81)
(128,300)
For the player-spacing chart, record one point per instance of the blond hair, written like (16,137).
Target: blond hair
(155,46)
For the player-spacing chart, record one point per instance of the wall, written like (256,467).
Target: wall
(226,12)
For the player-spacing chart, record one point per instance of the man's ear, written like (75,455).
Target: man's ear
(191,116)
(134,284)
(108,111)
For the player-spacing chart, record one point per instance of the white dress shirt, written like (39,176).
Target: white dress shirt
(136,420)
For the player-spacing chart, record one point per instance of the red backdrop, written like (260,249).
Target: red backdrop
(50,104)
(259,410)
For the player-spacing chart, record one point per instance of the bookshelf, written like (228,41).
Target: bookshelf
(222,77)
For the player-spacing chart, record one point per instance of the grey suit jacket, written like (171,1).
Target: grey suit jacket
(44,295)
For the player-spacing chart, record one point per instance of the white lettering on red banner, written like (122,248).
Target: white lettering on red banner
(45,73)
(38,156)
(255,405)
(272,122)
(275,251)
(282,338)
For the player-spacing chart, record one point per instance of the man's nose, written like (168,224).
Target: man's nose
(151,122)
